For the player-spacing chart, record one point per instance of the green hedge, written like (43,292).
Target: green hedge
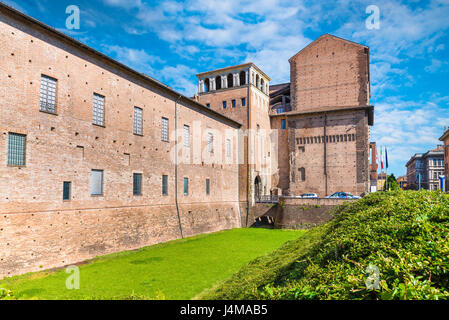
(403,235)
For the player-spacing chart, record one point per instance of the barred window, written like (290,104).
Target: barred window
(137,184)
(98,116)
(186,136)
(16,149)
(210,142)
(48,94)
(164,185)
(165,129)
(137,121)
(228,148)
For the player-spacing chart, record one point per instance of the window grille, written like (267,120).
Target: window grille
(16,149)
(210,142)
(165,129)
(48,94)
(98,110)
(137,121)
(187,136)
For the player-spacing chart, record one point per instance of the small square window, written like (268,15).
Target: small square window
(208,105)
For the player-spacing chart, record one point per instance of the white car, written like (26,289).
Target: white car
(309,196)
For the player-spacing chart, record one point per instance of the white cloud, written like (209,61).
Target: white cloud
(135,58)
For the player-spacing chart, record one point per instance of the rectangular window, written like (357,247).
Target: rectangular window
(186,136)
(225,105)
(96,183)
(66,190)
(164,185)
(16,149)
(138,121)
(186,186)
(283,124)
(164,129)
(243,102)
(137,184)
(233,103)
(228,148)
(98,116)
(48,94)
(210,142)
(207,186)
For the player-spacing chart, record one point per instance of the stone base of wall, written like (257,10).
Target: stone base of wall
(295,213)
(43,240)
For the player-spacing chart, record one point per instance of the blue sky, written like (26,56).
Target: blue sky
(173,40)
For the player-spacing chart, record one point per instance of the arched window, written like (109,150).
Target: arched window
(230,80)
(218,83)
(302,174)
(207,85)
(242,78)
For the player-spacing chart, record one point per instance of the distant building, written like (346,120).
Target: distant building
(402,181)
(445,139)
(423,170)
(381,181)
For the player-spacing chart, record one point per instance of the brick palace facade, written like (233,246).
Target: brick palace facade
(97,158)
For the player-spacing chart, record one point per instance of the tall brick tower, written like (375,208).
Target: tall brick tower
(242,93)
(328,125)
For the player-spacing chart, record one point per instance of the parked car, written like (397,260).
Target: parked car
(342,195)
(309,195)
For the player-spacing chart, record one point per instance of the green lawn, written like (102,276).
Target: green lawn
(178,269)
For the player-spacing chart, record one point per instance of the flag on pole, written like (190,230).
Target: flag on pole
(386,158)
(381,159)
(377,159)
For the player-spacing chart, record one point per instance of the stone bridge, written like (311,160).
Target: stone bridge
(295,213)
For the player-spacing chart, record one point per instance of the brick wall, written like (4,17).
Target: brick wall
(38,228)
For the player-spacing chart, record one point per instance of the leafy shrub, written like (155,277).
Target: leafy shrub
(6,294)
(402,234)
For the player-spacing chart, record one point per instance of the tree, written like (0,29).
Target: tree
(391,184)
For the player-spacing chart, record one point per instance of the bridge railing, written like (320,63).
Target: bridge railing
(267,199)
